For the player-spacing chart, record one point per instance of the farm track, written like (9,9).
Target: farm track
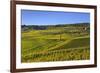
(65,43)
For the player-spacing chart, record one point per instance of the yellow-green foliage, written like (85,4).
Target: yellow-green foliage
(54,45)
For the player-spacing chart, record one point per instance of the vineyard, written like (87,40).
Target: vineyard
(55,43)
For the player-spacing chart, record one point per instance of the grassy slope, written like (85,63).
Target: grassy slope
(42,45)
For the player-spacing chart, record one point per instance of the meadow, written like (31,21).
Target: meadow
(55,42)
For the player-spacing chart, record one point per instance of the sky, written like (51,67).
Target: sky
(36,17)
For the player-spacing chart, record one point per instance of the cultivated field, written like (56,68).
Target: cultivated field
(55,43)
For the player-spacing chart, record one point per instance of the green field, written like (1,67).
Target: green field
(55,43)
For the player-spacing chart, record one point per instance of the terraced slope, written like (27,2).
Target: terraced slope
(50,45)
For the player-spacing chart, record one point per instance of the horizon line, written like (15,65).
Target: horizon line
(54,24)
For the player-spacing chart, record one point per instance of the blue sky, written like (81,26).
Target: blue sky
(36,17)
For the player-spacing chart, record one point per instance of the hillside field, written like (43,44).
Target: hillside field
(55,43)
